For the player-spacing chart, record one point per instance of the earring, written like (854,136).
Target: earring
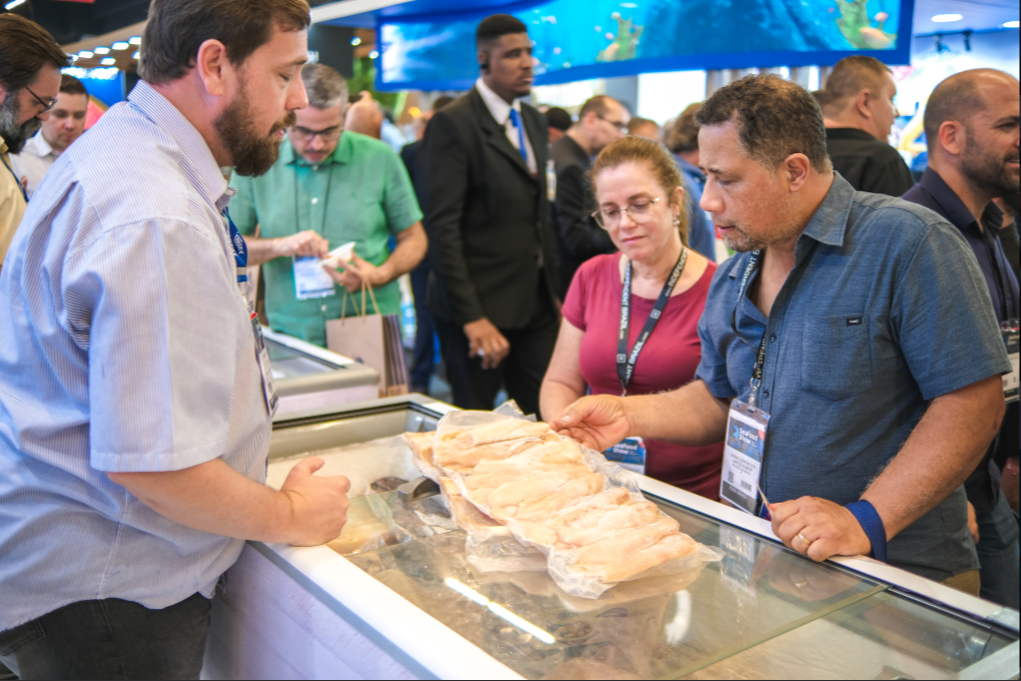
(677,220)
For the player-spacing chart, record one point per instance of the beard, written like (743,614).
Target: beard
(252,154)
(15,135)
(987,171)
(784,228)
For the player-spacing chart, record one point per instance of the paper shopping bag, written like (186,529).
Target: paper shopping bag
(373,340)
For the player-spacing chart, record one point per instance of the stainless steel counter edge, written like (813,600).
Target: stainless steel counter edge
(417,640)
(957,600)
(307,348)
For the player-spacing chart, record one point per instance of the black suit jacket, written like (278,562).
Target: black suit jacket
(488,218)
(579,237)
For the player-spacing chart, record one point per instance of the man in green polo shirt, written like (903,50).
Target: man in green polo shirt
(328,188)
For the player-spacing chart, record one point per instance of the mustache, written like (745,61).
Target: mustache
(287,121)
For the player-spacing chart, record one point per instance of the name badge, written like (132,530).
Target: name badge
(742,455)
(629,454)
(551,181)
(1011,391)
(269,391)
(310,279)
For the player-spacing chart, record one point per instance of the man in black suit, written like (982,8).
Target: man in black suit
(602,120)
(493,287)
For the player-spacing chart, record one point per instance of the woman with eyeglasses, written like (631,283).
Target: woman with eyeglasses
(631,318)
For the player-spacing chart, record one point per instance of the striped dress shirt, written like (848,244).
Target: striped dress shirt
(125,346)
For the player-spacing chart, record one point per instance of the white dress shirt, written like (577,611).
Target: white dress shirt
(501,112)
(34,161)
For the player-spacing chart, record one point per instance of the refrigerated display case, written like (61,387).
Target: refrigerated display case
(308,377)
(407,603)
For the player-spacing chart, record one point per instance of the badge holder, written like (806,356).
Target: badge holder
(629,454)
(310,279)
(1011,387)
(269,390)
(742,455)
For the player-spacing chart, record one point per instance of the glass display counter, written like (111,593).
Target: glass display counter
(309,377)
(762,612)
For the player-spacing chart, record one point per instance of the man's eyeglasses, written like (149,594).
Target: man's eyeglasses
(327,135)
(640,212)
(617,124)
(42,102)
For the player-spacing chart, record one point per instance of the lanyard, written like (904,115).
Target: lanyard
(16,180)
(760,355)
(626,363)
(240,250)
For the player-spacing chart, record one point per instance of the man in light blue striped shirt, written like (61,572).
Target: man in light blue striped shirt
(133,423)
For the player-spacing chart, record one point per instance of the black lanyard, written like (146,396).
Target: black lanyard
(16,180)
(626,363)
(760,356)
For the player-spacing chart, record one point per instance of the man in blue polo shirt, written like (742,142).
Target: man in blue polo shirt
(971,122)
(859,323)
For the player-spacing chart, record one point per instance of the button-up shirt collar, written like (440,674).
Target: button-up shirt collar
(956,212)
(200,164)
(41,146)
(496,104)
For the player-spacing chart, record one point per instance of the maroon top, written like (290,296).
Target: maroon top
(667,361)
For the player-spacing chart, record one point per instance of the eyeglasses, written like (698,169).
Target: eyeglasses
(640,212)
(42,102)
(617,124)
(327,135)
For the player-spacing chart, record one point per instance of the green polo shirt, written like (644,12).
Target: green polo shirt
(361,193)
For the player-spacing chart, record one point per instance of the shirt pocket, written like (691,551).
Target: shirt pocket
(836,356)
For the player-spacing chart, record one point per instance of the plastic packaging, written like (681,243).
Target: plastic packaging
(499,539)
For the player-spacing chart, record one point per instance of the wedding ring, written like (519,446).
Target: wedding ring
(802,538)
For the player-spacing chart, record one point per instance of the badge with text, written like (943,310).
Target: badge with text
(742,455)
(269,391)
(1011,388)
(310,279)
(629,454)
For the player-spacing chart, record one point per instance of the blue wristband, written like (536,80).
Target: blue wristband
(866,515)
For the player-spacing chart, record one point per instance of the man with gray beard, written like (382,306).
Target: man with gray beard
(30,63)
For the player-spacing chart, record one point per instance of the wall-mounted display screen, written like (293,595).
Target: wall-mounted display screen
(579,39)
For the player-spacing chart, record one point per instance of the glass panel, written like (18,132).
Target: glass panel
(881,637)
(653,628)
(289,364)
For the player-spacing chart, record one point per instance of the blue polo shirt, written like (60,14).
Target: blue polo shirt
(884,310)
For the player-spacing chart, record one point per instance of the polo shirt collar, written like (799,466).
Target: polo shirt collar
(953,208)
(849,134)
(206,175)
(499,108)
(829,223)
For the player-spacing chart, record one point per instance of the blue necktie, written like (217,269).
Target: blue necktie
(516,120)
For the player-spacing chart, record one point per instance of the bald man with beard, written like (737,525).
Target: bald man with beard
(971,122)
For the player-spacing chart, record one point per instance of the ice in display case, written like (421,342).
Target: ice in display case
(398,599)
(308,377)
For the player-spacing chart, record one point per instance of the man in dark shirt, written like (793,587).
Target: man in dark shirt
(602,120)
(858,111)
(971,122)
(558,123)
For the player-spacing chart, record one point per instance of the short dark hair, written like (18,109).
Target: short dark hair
(957,98)
(496,26)
(775,118)
(681,134)
(177,28)
(25,48)
(70,85)
(558,118)
(441,101)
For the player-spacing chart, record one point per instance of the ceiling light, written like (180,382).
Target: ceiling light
(120,45)
(1011,24)
(85,54)
(135,40)
(373,54)
(356,41)
(944,18)
(13,4)
(102,50)
(136,55)
(108,61)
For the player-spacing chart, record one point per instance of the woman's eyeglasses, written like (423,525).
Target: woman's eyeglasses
(640,212)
